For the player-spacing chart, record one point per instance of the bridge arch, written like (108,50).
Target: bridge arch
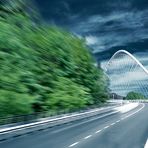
(143,72)
(130,55)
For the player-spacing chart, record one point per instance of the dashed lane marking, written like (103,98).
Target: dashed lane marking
(87,136)
(118,121)
(98,131)
(146,145)
(113,124)
(73,144)
(106,127)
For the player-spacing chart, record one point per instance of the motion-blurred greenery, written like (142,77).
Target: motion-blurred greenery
(134,96)
(43,67)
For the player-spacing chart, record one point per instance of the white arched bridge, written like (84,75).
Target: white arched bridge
(126,74)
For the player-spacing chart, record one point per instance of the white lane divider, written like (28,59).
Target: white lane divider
(118,121)
(106,127)
(19,127)
(113,124)
(88,137)
(85,122)
(123,118)
(146,144)
(73,144)
(98,131)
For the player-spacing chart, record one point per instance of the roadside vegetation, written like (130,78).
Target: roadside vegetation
(135,96)
(43,67)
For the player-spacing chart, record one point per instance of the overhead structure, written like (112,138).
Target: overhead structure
(126,74)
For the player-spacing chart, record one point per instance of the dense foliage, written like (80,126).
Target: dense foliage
(134,96)
(44,68)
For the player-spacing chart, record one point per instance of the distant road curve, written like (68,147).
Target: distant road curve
(112,130)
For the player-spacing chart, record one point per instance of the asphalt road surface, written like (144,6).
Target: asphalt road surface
(109,130)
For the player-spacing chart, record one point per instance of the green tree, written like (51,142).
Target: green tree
(44,67)
(134,96)
(68,95)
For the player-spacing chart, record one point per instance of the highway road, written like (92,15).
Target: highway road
(109,130)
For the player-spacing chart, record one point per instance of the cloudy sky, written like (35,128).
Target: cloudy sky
(107,25)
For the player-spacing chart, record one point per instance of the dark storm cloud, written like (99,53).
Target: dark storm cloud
(117,29)
(113,24)
(133,47)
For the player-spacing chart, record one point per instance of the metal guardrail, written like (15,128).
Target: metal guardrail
(28,118)
(31,127)
(139,101)
(23,119)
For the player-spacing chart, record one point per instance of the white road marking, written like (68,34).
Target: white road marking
(77,124)
(118,121)
(113,123)
(73,144)
(106,127)
(127,107)
(146,144)
(134,112)
(87,136)
(25,126)
(98,131)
